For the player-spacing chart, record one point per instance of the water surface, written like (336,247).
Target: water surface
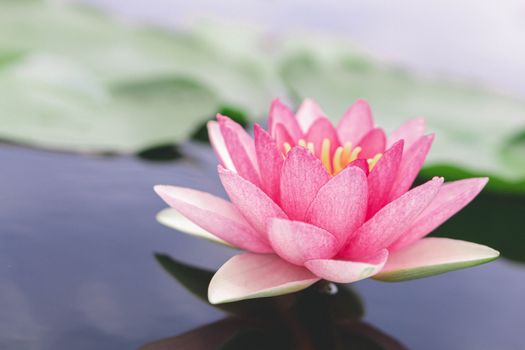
(77,238)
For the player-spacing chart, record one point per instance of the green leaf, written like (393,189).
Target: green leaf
(55,103)
(194,279)
(73,79)
(475,128)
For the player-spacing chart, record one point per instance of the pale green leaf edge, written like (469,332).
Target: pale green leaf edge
(427,271)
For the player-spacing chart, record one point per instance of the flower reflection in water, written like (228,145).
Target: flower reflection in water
(324,316)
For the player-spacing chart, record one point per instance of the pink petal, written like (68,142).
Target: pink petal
(432,256)
(301,178)
(281,137)
(214,215)
(251,201)
(280,114)
(356,122)
(308,113)
(361,164)
(413,159)
(391,221)
(372,143)
(297,241)
(219,146)
(241,148)
(382,177)
(344,271)
(320,130)
(451,198)
(270,162)
(340,205)
(170,217)
(411,131)
(248,276)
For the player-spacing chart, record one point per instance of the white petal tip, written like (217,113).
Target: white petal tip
(250,276)
(158,188)
(173,219)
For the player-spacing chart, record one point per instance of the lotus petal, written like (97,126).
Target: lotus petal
(241,149)
(301,178)
(382,177)
(248,276)
(170,217)
(252,202)
(410,132)
(270,162)
(372,143)
(308,113)
(215,215)
(451,198)
(390,222)
(219,146)
(433,256)
(410,165)
(297,241)
(340,205)
(344,271)
(356,122)
(280,114)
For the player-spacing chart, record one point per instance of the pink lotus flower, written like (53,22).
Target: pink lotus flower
(311,201)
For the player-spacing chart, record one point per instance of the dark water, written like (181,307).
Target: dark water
(77,238)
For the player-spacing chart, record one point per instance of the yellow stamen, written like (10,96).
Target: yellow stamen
(310,147)
(287,147)
(338,166)
(342,156)
(373,161)
(347,149)
(354,154)
(325,155)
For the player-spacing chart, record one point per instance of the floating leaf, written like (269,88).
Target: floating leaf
(55,103)
(73,79)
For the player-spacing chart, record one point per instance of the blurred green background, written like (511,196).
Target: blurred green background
(74,79)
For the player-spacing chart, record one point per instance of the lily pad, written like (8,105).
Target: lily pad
(73,79)
(475,127)
(51,102)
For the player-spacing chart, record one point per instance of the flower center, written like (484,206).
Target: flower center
(341,157)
